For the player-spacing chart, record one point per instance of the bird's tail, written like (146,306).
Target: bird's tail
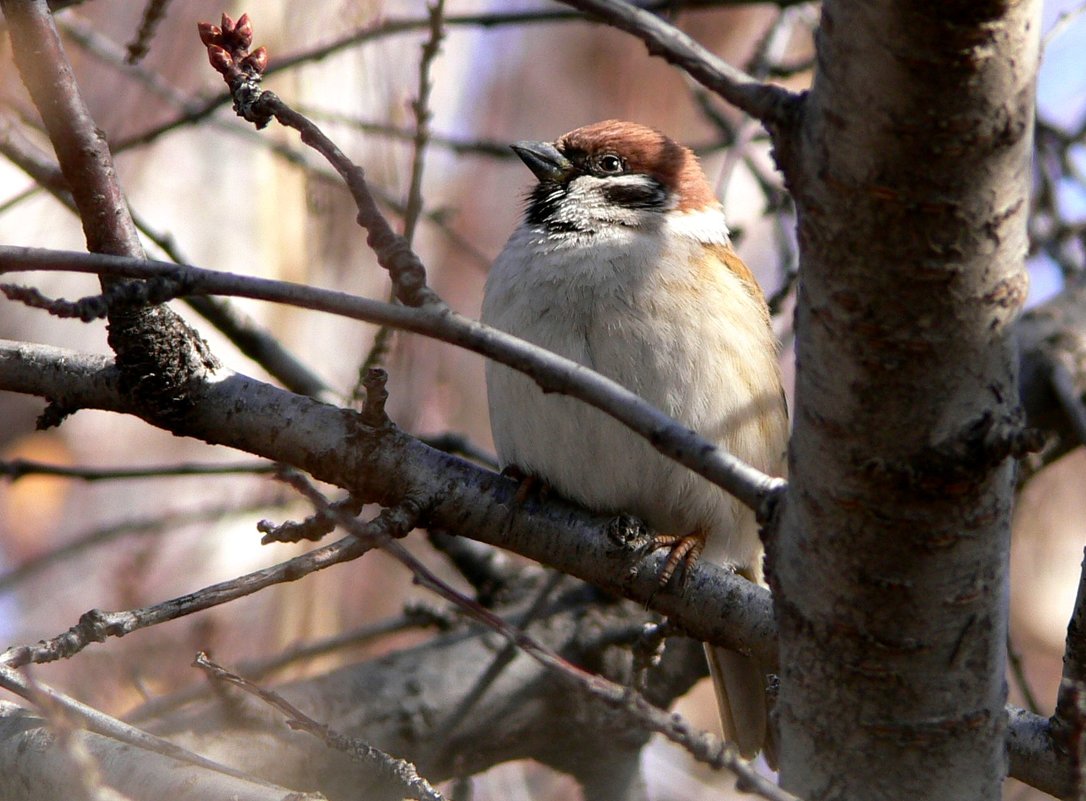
(740,685)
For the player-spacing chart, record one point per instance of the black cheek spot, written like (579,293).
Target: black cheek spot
(650,195)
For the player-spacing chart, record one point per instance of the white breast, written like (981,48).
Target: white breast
(698,348)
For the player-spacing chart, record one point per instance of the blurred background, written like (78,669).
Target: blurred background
(215,193)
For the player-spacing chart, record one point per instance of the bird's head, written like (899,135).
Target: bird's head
(612,173)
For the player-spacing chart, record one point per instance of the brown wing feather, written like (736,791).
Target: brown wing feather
(730,259)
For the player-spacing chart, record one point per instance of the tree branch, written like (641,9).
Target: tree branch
(35,767)
(553,373)
(386,466)
(108,726)
(389,766)
(774,106)
(156,350)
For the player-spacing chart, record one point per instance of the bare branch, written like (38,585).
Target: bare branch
(97,626)
(774,106)
(415,616)
(385,465)
(413,206)
(1074,660)
(249,337)
(1034,759)
(155,525)
(157,352)
(423,116)
(15,469)
(101,723)
(552,372)
(92,787)
(1068,724)
(399,770)
(81,148)
(1018,673)
(153,14)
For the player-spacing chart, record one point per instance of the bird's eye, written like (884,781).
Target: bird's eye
(609,164)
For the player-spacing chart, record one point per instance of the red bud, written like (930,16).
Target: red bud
(221,60)
(209,34)
(257,60)
(243,31)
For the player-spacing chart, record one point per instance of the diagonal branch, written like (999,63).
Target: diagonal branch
(97,626)
(399,770)
(385,466)
(1068,724)
(554,373)
(773,105)
(81,148)
(101,723)
(157,351)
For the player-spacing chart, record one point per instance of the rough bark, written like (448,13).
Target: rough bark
(910,174)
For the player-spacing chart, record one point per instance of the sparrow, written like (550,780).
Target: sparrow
(623,263)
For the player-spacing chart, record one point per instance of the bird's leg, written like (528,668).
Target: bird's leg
(685,549)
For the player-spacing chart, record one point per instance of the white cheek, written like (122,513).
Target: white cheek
(585,205)
(706,225)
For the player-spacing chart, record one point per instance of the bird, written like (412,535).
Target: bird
(623,263)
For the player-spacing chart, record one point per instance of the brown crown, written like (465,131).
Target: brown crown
(647,151)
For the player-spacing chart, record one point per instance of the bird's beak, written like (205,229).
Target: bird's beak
(544,160)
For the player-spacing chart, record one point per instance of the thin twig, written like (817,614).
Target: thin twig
(87,769)
(81,148)
(153,14)
(553,373)
(388,766)
(107,51)
(386,27)
(772,105)
(423,116)
(486,148)
(14,469)
(246,334)
(382,340)
(155,525)
(155,350)
(1018,672)
(770,49)
(489,570)
(498,664)
(416,616)
(1062,23)
(393,253)
(101,723)
(97,625)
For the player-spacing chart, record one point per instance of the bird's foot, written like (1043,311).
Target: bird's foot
(685,550)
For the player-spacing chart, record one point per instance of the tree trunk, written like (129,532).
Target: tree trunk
(911,176)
